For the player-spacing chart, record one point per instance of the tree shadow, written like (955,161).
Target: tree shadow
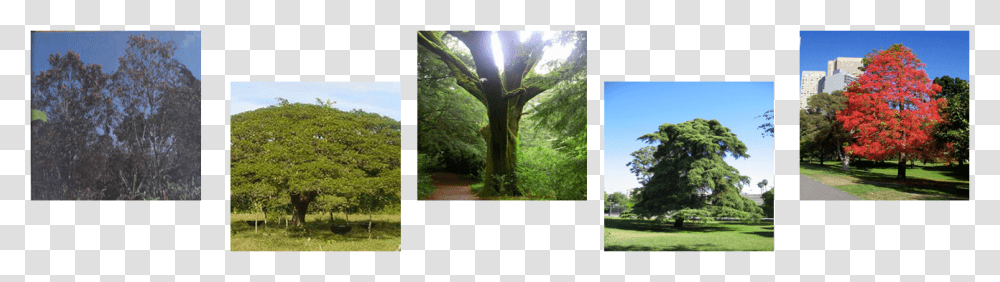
(656,226)
(930,189)
(674,248)
(320,230)
(959,172)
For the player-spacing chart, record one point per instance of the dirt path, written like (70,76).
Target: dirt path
(451,186)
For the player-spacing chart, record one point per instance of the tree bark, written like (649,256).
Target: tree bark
(845,159)
(901,167)
(300,206)
(678,223)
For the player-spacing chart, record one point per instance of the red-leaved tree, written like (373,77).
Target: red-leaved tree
(891,109)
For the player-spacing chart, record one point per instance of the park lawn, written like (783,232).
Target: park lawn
(650,235)
(924,182)
(317,236)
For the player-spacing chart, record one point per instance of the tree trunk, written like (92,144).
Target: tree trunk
(300,206)
(845,159)
(901,167)
(678,223)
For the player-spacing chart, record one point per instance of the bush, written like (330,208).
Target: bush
(544,173)
(426,165)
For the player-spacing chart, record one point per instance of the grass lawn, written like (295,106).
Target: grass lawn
(649,235)
(878,182)
(316,236)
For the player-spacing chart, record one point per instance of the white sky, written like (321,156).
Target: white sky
(552,53)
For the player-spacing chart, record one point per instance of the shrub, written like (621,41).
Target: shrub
(426,165)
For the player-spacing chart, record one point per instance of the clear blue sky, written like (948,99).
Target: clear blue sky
(373,97)
(105,47)
(944,52)
(633,109)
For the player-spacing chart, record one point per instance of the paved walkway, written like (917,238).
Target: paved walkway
(451,186)
(812,190)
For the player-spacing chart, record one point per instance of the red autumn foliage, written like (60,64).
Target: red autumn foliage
(891,109)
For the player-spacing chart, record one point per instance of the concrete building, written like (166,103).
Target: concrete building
(811,81)
(848,64)
(838,81)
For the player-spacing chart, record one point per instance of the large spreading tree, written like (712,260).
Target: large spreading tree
(892,109)
(691,173)
(299,155)
(504,93)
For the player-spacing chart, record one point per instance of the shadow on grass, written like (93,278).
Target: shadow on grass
(957,188)
(320,230)
(960,172)
(674,248)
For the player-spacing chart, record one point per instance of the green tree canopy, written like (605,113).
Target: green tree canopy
(821,130)
(952,136)
(691,171)
(299,154)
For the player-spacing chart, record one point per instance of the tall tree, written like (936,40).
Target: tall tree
(892,108)
(691,171)
(762,184)
(161,101)
(300,154)
(67,149)
(952,135)
(503,93)
(820,127)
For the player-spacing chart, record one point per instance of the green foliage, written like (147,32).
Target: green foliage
(642,164)
(768,206)
(952,136)
(691,169)
(448,118)
(617,198)
(303,155)
(451,125)
(821,132)
(38,115)
(543,172)
(426,165)
(698,215)
(734,205)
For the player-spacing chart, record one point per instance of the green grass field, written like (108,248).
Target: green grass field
(878,182)
(316,236)
(650,235)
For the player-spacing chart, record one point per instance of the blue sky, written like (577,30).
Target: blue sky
(944,52)
(633,109)
(373,97)
(105,47)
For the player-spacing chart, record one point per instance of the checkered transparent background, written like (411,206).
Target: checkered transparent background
(517,241)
